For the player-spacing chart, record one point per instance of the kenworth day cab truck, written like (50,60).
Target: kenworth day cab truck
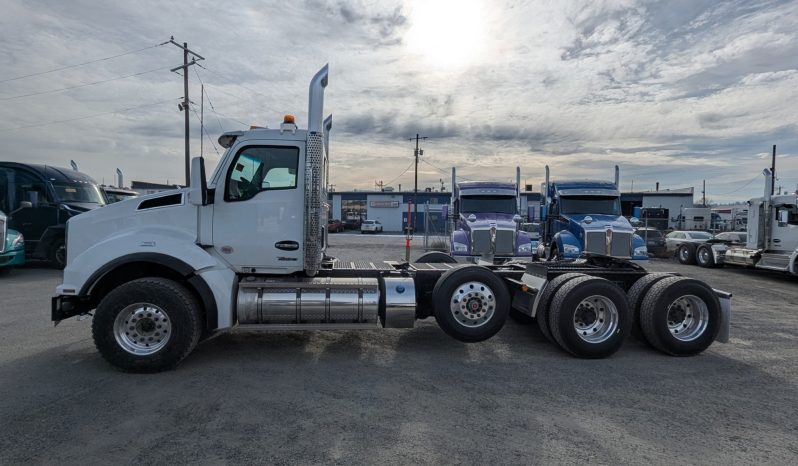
(247,250)
(772,239)
(487,221)
(584,217)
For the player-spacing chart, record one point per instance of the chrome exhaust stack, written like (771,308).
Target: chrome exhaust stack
(617,178)
(316,100)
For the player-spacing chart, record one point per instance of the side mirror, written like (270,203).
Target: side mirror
(25,205)
(198,191)
(517,218)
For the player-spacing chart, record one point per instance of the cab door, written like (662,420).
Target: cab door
(258,212)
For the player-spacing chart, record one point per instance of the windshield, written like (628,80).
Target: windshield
(84,193)
(591,205)
(488,204)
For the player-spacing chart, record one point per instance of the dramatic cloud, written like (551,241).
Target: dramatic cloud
(674,92)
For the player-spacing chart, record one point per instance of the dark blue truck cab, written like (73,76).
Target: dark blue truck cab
(39,199)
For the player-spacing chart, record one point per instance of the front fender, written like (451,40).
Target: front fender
(460,236)
(563,238)
(49,237)
(637,242)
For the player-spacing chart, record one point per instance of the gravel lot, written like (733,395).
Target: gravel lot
(403,396)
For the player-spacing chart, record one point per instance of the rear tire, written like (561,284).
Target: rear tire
(589,317)
(471,303)
(147,325)
(636,294)
(544,304)
(704,256)
(436,257)
(686,254)
(680,316)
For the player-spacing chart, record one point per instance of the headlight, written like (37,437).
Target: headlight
(640,251)
(18,241)
(460,247)
(526,247)
(570,249)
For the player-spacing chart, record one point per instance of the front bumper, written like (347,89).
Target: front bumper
(64,307)
(12,258)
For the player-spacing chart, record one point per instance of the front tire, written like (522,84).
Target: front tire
(471,303)
(147,325)
(58,255)
(589,317)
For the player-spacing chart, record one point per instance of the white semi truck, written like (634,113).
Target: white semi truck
(772,239)
(247,250)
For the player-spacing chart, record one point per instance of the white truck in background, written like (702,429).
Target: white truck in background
(247,249)
(772,240)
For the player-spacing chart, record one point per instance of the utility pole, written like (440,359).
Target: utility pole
(184,106)
(704,194)
(378,184)
(202,117)
(416,153)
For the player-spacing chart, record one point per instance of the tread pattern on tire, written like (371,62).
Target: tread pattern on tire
(544,304)
(122,360)
(636,294)
(648,322)
(557,309)
(691,259)
(710,261)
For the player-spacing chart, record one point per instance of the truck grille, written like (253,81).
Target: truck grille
(3,227)
(505,242)
(620,246)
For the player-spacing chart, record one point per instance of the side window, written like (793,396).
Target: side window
(29,188)
(261,168)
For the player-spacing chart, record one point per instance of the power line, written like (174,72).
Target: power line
(129,52)
(445,172)
(209,100)
(203,130)
(86,117)
(51,91)
(239,85)
(741,187)
(400,175)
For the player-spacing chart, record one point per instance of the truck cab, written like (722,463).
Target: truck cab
(40,199)
(487,222)
(584,217)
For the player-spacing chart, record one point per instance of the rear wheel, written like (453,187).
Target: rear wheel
(544,303)
(636,294)
(704,256)
(686,254)
(680,316)
(471,303)
(147,325)
(589,317)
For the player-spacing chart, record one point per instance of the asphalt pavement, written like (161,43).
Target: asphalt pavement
(403,396)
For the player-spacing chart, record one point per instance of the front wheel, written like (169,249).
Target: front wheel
(58,254)
(147,325)
(471,303)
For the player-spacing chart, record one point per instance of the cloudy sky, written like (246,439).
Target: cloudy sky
(672,91)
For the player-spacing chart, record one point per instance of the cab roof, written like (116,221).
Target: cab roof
(51,173)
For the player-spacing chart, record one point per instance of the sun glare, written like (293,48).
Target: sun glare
(446,32)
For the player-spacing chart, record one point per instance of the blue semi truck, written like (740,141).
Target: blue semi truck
(583,217)
(487,217)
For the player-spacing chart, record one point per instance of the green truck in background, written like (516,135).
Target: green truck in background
(12,246)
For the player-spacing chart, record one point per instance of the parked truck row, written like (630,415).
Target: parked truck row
(246,248)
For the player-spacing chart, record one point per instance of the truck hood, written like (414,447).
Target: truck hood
(485,220)
(600,222)
(81,206)
(173,212)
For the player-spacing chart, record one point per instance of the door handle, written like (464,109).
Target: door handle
(287,245)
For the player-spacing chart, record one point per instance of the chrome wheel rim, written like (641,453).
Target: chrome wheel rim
(142,329)
(596,319)
(688,317)
(684,253)
(703,256)
(473,304)
(60,254)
